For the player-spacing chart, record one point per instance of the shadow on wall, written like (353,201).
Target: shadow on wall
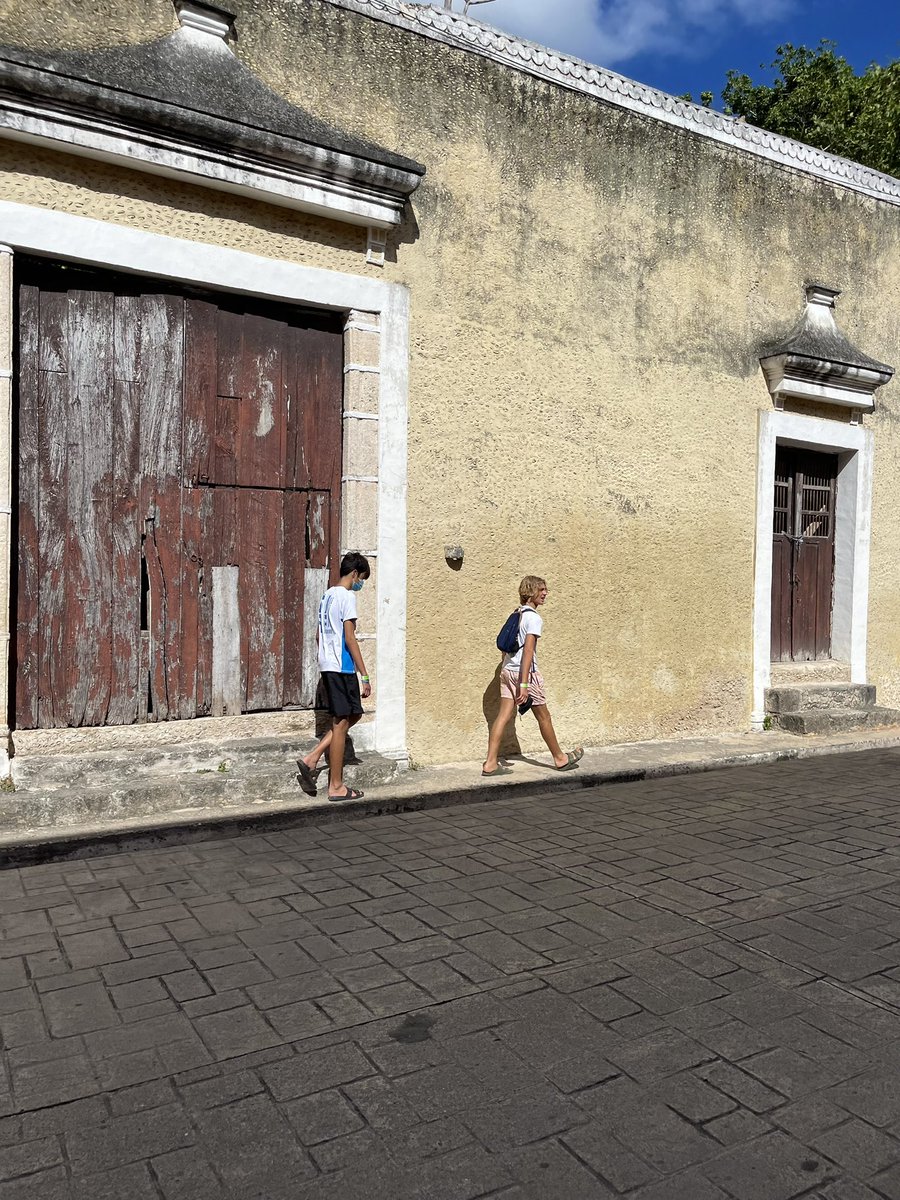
(490,706)
(405,233)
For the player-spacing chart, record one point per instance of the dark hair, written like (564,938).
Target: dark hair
(354,561)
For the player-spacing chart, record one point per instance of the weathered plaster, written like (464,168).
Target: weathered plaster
(590,291)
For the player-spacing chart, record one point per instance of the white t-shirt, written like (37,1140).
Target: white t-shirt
(530,623)
(337,606)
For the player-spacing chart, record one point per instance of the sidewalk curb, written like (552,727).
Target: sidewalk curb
(184,828)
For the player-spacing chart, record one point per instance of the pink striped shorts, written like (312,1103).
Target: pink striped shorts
(509,687)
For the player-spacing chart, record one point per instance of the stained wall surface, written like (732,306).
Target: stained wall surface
(590,293)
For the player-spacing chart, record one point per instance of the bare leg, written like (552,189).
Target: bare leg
(507,708)
(312,759)
(548,733)
(339,732)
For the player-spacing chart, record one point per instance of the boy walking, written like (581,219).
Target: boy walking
(340,658)
(522,684)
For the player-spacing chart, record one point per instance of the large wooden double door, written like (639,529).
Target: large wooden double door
(179,468)
(803,554)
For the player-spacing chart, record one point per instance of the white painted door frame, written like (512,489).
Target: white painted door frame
(854,447)
(84,240)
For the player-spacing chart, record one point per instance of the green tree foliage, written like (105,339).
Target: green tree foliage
(817,98)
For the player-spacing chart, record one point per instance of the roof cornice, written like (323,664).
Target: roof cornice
(463,33)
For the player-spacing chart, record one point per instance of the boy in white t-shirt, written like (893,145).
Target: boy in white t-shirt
(339,660)
(522,684)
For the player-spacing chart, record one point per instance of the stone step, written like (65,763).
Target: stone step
(796,674)
(55,791)
(814,696)
(836,720)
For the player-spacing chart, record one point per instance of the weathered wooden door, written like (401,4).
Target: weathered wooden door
(802,555)
(178,499)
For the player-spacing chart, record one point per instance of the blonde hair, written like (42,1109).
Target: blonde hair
(529,588)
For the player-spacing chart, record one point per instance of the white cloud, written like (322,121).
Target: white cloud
(609,32)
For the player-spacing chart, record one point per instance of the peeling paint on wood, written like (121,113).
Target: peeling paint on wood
(163,439)
(226,643)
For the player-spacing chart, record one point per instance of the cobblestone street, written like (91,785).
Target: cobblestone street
(680,990)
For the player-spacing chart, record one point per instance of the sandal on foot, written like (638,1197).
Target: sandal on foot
(306,779)
(350,794)
(572,760)
(497,771)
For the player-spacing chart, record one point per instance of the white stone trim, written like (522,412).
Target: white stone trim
(7,338)
(854,446)
(463,33)
(327,186)
(85,240)
(203,19)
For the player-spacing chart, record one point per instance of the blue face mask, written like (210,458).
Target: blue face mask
(358,586)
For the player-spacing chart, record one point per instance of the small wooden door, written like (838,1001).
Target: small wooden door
(179,473)
(803,555)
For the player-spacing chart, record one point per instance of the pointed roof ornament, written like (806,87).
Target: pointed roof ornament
(817,361)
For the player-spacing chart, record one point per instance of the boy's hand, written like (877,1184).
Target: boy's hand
(522,694)
(366,691)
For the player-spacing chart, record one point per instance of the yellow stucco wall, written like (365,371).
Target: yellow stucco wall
(590,291)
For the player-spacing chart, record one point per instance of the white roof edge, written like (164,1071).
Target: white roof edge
(466,34)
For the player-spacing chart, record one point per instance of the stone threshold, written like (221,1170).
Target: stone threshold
(430,787)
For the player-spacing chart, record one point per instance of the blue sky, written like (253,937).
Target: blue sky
(688,45)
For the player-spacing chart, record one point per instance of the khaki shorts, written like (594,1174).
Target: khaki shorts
(509,687)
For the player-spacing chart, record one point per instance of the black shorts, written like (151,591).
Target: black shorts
(339,693)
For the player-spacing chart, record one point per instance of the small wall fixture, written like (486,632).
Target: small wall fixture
(818,362)
(454,556)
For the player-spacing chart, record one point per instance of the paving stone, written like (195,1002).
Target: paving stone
(787,1072)
(551,1170)
(253,1147)
(94,949)
(859,1147)
(874,1096)
(29,1157)
(127,1139)
(79,1010)
(36,1085)
(687,1185)
(609,1158)
(658,1054)
(887,1184)
(773,1167)
(236,1031)
(741,1086)
(653,1132)
(315,1071)
(737,1126)
(321,1117)
(693,1098)
(186,1175)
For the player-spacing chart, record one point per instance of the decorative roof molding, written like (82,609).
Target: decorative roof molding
(205,19)
(573,73)
(187,108)
(819,362)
